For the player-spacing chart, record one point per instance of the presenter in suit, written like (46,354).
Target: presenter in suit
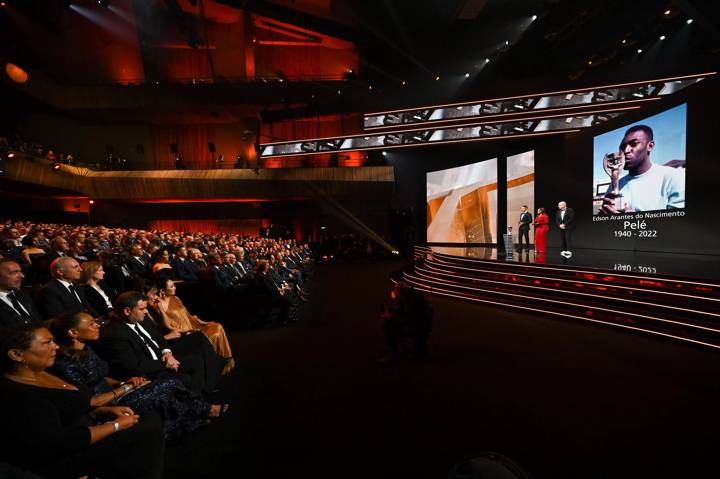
(564,219)
(524,228)
(16,306)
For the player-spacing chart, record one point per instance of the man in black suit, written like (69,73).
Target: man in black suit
(59,295)
(185,269)
(524,228)
(16,306)
(564,219)
(134,347)
(139,263)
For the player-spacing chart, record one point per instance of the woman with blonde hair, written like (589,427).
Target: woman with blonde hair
(100,296)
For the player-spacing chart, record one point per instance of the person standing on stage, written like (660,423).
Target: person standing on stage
(564,219)
(524,228)
(541,230)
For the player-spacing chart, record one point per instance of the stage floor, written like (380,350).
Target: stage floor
(646,263)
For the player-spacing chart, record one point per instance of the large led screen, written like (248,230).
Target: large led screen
(520,188)
(641,167)
(462,204)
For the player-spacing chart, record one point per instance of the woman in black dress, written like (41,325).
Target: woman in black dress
(49,426)
(100,296)
(181,411)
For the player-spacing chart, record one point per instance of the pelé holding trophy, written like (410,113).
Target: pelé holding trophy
(613,164)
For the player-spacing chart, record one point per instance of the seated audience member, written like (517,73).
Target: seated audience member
(16,306)
(139,263)
(178,318)
(191,343)
(58,247)
(98,294)
(237,271)
(50,428)
(60,295)
(409,315)
(134,347)
(185,268)
(197,257)
(32,255)
(77,251)
(220,276)
(161,267)
(271,296)
(77,362)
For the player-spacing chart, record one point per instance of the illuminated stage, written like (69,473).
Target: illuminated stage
(670,295)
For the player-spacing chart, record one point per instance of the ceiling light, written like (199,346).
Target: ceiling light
(507,42)
(404,83)
(534,17)
(639,50)
(467,75)
(11,155)
(662,37)
(437,78)
(667,12)
(487,60)
(384,153)
(339,91)
(55,166)
(689,21)
(624,41)
(370,87)
(589,62)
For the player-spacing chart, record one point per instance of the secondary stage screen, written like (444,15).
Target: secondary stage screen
(641,166)
(520,188)
(462,204)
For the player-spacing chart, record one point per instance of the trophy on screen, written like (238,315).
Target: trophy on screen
(613,164)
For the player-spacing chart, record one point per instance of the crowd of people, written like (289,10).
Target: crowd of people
(102,362)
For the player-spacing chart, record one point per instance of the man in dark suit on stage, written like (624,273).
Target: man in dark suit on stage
(16,306)
(524,228)
(134,347)
(564,219)
(59,295)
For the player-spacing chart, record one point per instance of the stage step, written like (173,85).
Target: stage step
(674,307)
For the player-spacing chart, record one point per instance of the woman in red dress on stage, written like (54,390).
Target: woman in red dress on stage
(541,231)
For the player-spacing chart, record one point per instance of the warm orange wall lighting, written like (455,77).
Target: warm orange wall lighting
(16,74)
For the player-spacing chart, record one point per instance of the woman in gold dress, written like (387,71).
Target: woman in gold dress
(178,318)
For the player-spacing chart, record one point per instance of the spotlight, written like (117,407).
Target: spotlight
(92,202)
(384,153)
(667,12)
(437,78)
(689,21)
(624,41)
(55,166)
(639,50)
(487,60)
(467,75)
(404,83)
(339,92)
(589,62)
(11,154)
(3,4)
(103,3)
(662,37)
(370,88)
(507,42)
(534,17)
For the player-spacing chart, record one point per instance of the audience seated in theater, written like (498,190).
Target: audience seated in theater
(184,267)
(180,410)
(77,251)
(238,272)
(50,428)
(16,306)
(189,343)
(139,263)
(31,250)
(219,275)
(134,347)
(58,247)
(61,294)
(161,267)
(98,294)
(178,318)
(272,297)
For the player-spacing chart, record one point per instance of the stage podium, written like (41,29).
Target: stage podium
(509,242)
